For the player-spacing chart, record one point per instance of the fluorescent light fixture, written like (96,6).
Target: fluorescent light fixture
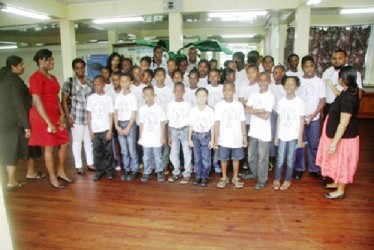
(313,2)
(25,13)
(237,36)
(357,11)
(237,16)
(119,20)
(9,47)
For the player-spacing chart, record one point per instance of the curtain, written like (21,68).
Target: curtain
(323,41)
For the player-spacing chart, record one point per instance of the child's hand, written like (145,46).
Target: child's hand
(92,135)
(139,141)
(169,141)
(300,143)
(276,141)
(190,143)
(126,131)
(211,145)
(215,145)
(307,120)
(245,142)
(108,135)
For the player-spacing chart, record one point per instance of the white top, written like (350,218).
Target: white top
(191,66)
(177,114)
(241,75)
(186,81)
(108,87)
(125,105)
(261,128)
(151,118)
(290,112)
(113,94)
(169,82)
(333,74)
(201,120)
(100,106)
(163,64)
(311,91)
(215,94)
(190,97)
(138,92)
(299,74)
(245,92)
(230,115)
(278,92)
(203,82)
(163,96)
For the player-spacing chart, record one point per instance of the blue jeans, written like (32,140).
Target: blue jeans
(202,154)
(311,135)
(273,120)
(258,159)
(285,149)
(128,148)
(148,159)
(180,137)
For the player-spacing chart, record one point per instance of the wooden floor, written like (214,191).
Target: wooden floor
(132,215)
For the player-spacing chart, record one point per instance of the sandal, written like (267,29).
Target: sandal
(185,180)
(173,178)
(222,182)
(237,183)
(276,184)
(38,176)
(285,185)
(17,185)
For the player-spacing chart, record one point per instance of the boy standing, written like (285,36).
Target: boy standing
(230,134)
(100,121)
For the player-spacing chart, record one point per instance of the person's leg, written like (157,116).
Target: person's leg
(252,158)
(88,149)
(77,134)
(272,153)
(49,164)
(31,168)
(147,155)
(197,156)
(205,155)
(157,154)
(339,193)
(186,152)
(124,150)
(175,151)
(61,161)
(11,175)
(99,154)
(263,161)
(300,157)
(280,159)
(313,135)
(224,169)
(131,140)
(108,157)
(166,149)
(291,154)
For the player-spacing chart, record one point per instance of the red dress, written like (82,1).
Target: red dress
(48,90)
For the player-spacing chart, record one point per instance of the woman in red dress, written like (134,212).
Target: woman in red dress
(47,117)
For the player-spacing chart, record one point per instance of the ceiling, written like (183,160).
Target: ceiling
(27,32)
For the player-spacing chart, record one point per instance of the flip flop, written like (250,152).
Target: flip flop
(38,176)
(18,185)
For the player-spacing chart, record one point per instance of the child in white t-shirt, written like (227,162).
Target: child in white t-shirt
(152,127)
(230,134)
(125,110)
(177,116)
(259,106)
(189,94)
(289,133)
(201,136)
(100,122)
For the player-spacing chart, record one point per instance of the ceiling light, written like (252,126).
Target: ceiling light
(25,13)
(9,47)
(313,2)
(119,20)
(237,16)
(237,36)
(356,11)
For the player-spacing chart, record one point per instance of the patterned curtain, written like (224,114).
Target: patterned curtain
(323,41)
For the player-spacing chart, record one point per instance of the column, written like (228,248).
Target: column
(282,42)
(68,47)
(112,39)
(175,31)
(203,54)
(302,31)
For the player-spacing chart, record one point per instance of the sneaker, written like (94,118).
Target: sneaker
(111,176)
(298,175)
(259,186)
(204,182)
(160,176)
(237,183)
(217,168)
(118,168)
(124,175)
(173,178)
(247,176)
(98,176)
(131,176)
(145,178)
(197,181)
(185,180)
(222,182)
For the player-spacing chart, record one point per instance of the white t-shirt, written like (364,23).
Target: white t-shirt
(230,115)
(100,106)
(125,105)
(333,74)
(241,75)
(201,120)
(261,128)
(177,114)
(289,113)
(164,95)
(299,74)
(151,118)
(191,66)
(138,92)
(203,82)
(169,82)
(245,92)
(113,94)
(215,94)
(278,92)
(311,91)
(190,97)
(108,88)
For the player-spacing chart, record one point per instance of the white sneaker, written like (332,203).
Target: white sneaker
(118,168)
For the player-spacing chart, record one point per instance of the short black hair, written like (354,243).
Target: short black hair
(177,71)
(42,54)
(99,77)
(240,55)
(160,69)
(127,59)
(341,51)
(158,47)
(280,66)
(179,84)
(78,60)
(307,58)
(128,75)
(146,59)
(194,71)
(292,55)
(215,70)
(148,87)
(251,65)
(297,80)
(149,71)
(202,89)
(253,56)
(268,56)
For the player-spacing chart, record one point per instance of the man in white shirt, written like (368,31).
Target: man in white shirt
(157,59)
(192,59)
(293,63)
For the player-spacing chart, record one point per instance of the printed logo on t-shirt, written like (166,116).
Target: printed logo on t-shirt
(100,110)
(177,115)
(307,92)
(150,122)
(202,124)
(288,116)
(229,117)
(123,107)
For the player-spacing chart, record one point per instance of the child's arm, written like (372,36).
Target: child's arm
(216,133)
(163,141)
(319,108)
(141,125)
(89,117)
(118,128)
(244,133)
(190,130)
(126,131)
(300,143)
(276,139)
(211,143)
(108,136)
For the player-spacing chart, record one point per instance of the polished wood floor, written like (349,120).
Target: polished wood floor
(132,215)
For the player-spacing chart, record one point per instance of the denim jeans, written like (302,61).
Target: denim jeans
(128,148)
(286,150)
(273,120)
(180,137)
(258,159)
(202,154)
(103,155)
(311,135)
(148,159)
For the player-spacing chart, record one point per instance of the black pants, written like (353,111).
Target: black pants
(103,155)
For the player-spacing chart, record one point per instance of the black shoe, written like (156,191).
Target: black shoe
(91,168)
(67,179)
(110,176)
(197,181)
(98,176)
(124,175)
(298,175)
(131,176)
(331,197)
(59,186)
(204,182)
(326,186)
(316,175)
